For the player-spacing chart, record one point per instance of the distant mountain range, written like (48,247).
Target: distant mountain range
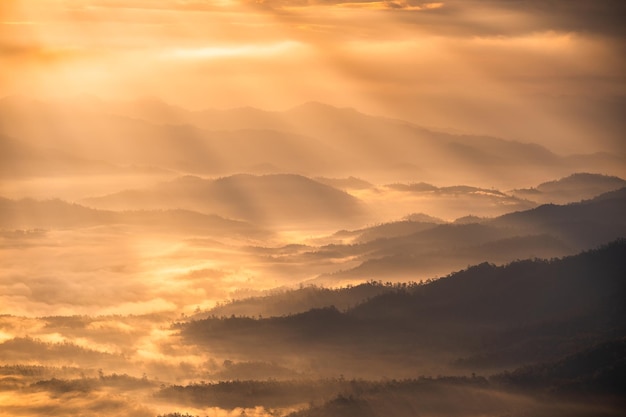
(313,139)
(277,199)
(416,250)
(408,250)
(58,214)
(413,249)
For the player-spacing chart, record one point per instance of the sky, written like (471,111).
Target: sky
(537,71)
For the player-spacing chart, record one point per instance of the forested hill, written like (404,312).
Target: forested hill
(488,316)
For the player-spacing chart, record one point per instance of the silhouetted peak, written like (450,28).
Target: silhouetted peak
(581,179)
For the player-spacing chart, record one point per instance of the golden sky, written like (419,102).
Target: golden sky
(550,72)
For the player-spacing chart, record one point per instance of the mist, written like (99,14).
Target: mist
(299,209)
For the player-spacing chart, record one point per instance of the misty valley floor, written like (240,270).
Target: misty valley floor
(536,337)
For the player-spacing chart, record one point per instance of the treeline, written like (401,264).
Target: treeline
(500,394)
(292,301)
(276,394)
(494,316)
(253,393)
(599,370)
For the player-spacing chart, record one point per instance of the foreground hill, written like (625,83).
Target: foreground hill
(485,316)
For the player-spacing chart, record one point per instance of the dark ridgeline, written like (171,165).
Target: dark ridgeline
(490,317)
(558,325)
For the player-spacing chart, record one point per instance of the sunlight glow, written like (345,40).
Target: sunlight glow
(390,5)
(224,207)
(234,51)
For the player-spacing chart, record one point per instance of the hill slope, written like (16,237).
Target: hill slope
(573,188)
(506,316)
(266,199)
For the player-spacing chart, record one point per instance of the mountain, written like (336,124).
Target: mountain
(524,312)
(458,200)
(58,214)
(576,187)
(93,133)
(366,139)
(382,145)
(413,250)
(19,160)
(583,225)
(424,263)
(285,302)
(280,199)
(312,139)
(394,229)
(350,183)
(599,369)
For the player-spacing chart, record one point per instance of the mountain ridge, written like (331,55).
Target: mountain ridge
(327,141)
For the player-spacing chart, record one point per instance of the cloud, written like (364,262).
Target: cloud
(600,16)
(458,17)
(530,70)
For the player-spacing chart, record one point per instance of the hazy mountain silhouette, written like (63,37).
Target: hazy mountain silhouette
(345,183)
(419,250)
(381,144)
(459,200)
(573,188)
(52,214)
(436,250)
(268,199)
(20,160)
(394,229)
(313,139)
(421,264)
(92,134)
(582,225)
